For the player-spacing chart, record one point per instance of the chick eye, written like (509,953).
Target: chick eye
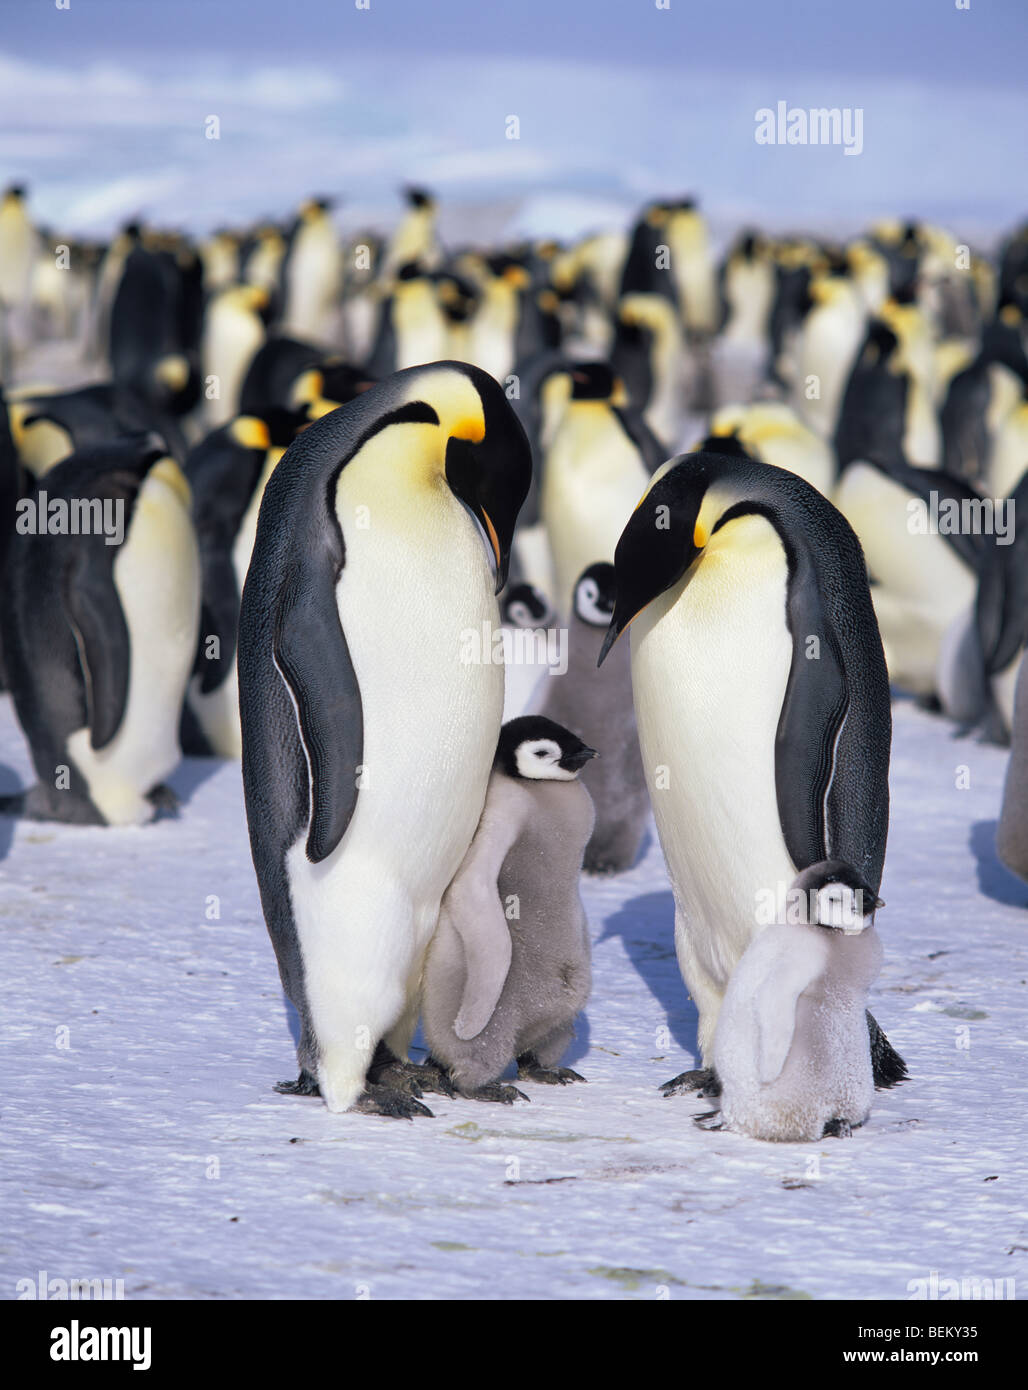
(540,753)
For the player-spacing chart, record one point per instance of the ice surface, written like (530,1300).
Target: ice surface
(177,1030)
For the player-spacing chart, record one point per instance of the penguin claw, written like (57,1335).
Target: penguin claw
(838,1129)
(304,1085)
(549,1076)
(497,1091)
(390,1102)
(703,1079)
(710,1119)
(164,801)
(414,1078)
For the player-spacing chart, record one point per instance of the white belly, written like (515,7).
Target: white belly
(157,576)
(592,483)
(366,913)
(710,662)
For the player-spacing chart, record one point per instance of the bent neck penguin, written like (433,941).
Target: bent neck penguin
(791,1049)
(367,742)
(761,695)
(99,632)
(508,969)
(601,702)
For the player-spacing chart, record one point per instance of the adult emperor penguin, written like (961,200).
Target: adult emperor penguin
(500,986)
(233,332)
(773,432)
(600,703)
(367,741)
(924,573)
(598,464)
(99,632)
(1012,830)
(762,701)
(828,343)
(227,472)
(414,239)
(19,246)
(791,1050)
(312,273)
(981,653)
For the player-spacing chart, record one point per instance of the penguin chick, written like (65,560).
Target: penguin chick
(602,703)
(791,1049)
(508,968)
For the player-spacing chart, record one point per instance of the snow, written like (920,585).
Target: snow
(151,1147)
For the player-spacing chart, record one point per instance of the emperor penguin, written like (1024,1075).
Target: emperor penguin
(508,969)
(826,349)
(227,473)
(791,1049)
(924,572)
(233,333)
(1009,456)
(596,469)
(979,402)
(1012,830)
(19,247)
(649,354)
(99,632)
(367,741)
(922,439)
(493,331)
(873,418)
(773,432)
(414,239)
(762,701)
(981,653)
(739,356)
(312,273)
(692,266)
(601,703)
(413,328)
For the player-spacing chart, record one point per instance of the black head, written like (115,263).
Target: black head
(592,381)
(835,896)
(595,595)
(524,606)
(727,444)
(410,270)
(534,748)
(418,198)
(16,190)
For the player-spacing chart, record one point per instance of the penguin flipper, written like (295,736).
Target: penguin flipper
(94,613)
(813,711)
(775,1010)
(313,659)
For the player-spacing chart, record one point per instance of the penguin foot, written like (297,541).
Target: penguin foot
(704,1080)
(498,1092)
(603,868)
(837,1129)
(164,801)
(388,1101)
(530,1069)
(710,1119)
(304,1085)
(387,1070)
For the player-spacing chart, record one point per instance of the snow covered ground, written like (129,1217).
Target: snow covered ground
(140,1138)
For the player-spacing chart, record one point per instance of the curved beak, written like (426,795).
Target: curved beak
(491,478)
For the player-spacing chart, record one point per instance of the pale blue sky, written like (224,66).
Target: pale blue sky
(102,106)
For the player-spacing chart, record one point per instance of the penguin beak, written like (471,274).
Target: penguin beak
(491,478)
(578,759)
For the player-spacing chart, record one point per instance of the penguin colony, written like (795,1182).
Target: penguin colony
(273,516)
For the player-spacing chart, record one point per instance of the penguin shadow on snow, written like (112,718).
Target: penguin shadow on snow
(646,927)
(191,774)
(994,879)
